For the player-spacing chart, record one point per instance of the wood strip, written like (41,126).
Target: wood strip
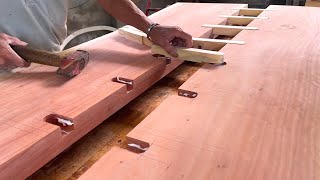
(213,44)
(243,17)
(206,40)
(241,20)
(255,118)
(229,27)
(251,11)
(227,30)
(29,95)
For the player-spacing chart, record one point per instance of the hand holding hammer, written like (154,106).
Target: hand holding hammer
(70,62)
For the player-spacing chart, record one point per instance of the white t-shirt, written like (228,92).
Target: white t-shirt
(40,23)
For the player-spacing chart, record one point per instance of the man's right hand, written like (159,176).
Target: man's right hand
(9,59)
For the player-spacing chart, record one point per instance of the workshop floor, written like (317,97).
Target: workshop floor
(73,162)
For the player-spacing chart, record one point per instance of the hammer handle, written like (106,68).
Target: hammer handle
(40,57)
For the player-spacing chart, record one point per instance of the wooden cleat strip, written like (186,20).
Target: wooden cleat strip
(226,30)
(229,27)
(251,11)
(242,17)
(213,44)
(241,20)
(217,41)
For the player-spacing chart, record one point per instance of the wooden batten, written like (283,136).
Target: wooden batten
(227,30)
(213,44)
(251,11)
(241,20)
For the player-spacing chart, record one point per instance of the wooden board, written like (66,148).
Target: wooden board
(258,117)
(84,153)
(30,95)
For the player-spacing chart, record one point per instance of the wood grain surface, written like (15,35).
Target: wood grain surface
(77,159)
(29,95)
(257,117)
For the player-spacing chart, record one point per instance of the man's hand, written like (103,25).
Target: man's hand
(170,37)
(9,59)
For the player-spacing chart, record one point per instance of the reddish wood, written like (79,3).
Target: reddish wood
(255,118)
(29,95)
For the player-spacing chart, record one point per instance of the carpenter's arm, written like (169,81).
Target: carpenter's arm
(165,36)
(127,12)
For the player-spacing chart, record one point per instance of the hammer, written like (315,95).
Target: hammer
(70,62)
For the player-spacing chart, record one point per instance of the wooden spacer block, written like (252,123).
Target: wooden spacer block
(192,54)
(134,35)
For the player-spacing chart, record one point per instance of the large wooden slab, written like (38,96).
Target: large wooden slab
(258,117)
(29,95)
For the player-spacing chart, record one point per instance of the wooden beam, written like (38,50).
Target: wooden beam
(227,30)
(240,20)
(192,54)
(251,11)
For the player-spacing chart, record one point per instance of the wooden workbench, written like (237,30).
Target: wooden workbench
(258,117)
(30,137)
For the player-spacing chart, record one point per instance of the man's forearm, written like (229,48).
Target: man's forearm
(127,12)
(165,36)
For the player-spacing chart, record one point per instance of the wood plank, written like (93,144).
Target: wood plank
(226,30)
(127,160)
(78,159)
(29,95)
(255,118)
